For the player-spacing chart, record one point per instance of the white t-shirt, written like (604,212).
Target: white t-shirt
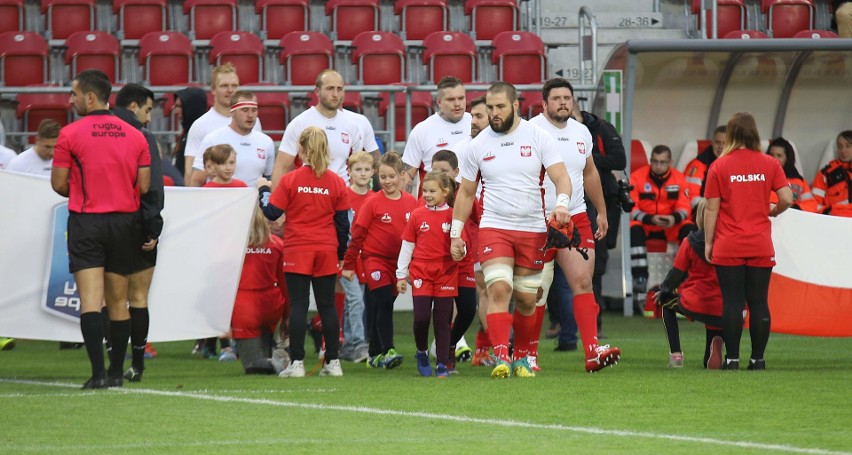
(6,156)
(255,153)
(206,124)
(368,134)
(575,144)
(431,135)
(512,168)
(345,133)
(28,162)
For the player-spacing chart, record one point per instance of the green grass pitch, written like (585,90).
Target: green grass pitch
(802,403)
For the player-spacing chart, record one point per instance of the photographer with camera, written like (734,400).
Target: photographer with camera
(662,211)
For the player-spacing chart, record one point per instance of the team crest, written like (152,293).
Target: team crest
(488,157)
(487,250)
(376,276)
(445,227)
(407,216)
(424,227)
(261,153)
(417,283)
(386,218)
(526,151)
(581,147)
(344,137)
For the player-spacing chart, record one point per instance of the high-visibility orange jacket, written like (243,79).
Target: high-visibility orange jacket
(695,174)
(832,189)
(664,195)
(803,198)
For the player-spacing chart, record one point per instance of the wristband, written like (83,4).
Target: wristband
(563,200)
(456,229)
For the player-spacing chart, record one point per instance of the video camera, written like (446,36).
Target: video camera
(624,189)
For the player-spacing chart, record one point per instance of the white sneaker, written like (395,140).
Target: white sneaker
(332,368)
(295,370)
(227,355)
(280,360)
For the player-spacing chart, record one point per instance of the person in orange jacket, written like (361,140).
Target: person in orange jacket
(803,199)
(696,170)
(832,185)
(661,211)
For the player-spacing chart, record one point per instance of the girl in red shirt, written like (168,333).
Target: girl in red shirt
(692,289)
(316,203)
(260,301)
(425,260)
(738,234)
(377,237)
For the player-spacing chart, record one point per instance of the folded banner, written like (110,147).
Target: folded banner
(810,292)
(199,260)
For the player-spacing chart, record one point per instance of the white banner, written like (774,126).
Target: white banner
(200,256)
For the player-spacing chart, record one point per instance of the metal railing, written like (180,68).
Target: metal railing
(583,16)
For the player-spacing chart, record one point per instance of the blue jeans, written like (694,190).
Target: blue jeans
(567,324)
(353,312)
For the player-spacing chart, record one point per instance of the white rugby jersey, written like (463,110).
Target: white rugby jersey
(344,134)
(575,145)
(206,124)
(512,167)
(431,135)
(28,162)
(255,153)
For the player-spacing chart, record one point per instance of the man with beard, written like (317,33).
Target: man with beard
(509,158)
(575,143)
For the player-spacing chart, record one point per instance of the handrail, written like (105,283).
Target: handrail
(586,13)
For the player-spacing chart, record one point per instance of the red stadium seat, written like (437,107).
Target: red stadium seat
(785,18)
(11,15)
(520,57)
(93,50)
(309,53)
(286,16)
(490,17)
(351,17)
(731,16)
(450,54)
(145,16)
(166,58)
(639,153)
(816,34)
(419,18)
(530,104)
(273,110)
(243,49)
(209,17)
(380,57)
(745,34)
(35,107)
(64,17)
(421,108)
(23,58)
(471,95)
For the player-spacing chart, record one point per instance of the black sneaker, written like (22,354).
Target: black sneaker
(565,347)
(115,381)
(133,375)
(758,364)
(96,383)
(731,365)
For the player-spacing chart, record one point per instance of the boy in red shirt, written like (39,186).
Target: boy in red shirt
(220,162)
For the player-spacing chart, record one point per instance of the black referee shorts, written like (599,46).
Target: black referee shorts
(109,240)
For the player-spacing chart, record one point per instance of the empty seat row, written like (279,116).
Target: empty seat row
(206,18)
(167,57)
(779,18)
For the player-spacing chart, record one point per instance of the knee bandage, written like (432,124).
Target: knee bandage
(498,272)
(546,282)
(528,284)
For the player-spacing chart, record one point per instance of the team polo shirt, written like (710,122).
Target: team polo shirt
(377,231)
(263,266)
(255,153)
(206,124)
(431,135)
(429,230)
(343,133)
(310,204)
(6,156)
(28,162)
(104,155)
(512,170)
(234,183)
(743,180)
(575,144)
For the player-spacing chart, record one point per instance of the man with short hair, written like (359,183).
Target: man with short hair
(133,105)
(255,150)
(102,165)
(38,159)
(696,170)
(439,131)
(661,211)
(509,158)
(223,84)
(577,268)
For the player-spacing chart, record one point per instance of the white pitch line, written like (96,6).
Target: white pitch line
(451,418)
